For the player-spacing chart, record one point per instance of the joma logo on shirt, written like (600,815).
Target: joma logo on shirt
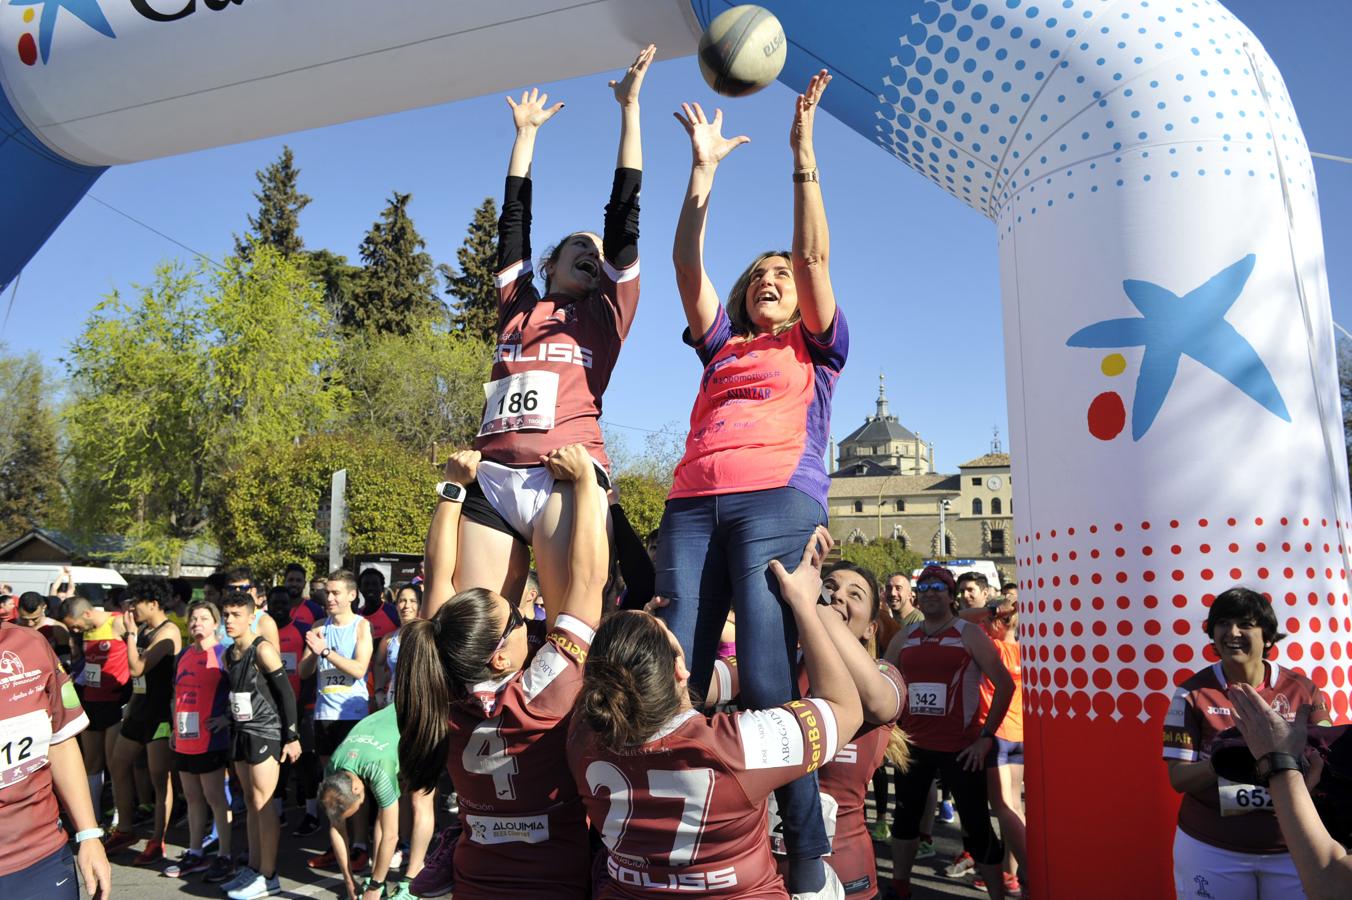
(546,351)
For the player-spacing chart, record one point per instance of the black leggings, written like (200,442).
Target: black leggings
(882,780)
(969,795)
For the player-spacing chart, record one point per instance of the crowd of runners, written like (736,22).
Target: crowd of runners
(707,721)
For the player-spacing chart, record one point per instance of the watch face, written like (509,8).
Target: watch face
(994,483)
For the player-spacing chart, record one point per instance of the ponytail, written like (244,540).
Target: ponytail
(898,750)
(439,658)
(629,684)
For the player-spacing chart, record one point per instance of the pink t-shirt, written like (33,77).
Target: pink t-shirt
(763,413)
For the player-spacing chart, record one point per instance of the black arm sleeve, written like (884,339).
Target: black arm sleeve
(620,239)
(640,576)
(285,698)
(514,223)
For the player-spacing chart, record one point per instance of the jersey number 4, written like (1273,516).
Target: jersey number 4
(486,754)
(694,786)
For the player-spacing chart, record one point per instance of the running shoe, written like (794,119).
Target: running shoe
(882,831)
(1012,888)
(189,863)
(257,887)
(397,860)
(961,866)
(308,826)
(221,871)
(243,876)
(119,840)
(151,855)
(925,850)
(325,860)
(359,859)
(401,892)
(437,877)
(945,812)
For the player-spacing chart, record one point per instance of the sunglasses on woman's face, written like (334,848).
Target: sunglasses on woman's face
(930,586)
(514,621)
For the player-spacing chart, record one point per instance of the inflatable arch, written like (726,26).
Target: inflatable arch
(1160,249)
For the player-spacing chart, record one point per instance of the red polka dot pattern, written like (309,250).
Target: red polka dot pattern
(1112,612)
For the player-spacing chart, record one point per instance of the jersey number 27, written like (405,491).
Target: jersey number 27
(694,786)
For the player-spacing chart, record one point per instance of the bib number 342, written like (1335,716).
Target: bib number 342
(525,400)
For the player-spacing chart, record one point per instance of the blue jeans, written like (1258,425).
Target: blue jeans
(714,552)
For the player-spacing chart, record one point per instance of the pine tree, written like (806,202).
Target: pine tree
(397,289)
(30,486)
(476,312)
(279,204)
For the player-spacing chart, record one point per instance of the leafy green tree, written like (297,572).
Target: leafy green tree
(475,311)
(175,387)
(30,485)
(881,556)
(397,290)
(643,499)
(336,277)
(280,201)
(270,517)
(422,389)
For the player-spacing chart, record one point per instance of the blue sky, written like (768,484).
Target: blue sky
(915,270)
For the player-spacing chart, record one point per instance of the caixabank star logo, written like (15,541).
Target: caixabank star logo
(87,11)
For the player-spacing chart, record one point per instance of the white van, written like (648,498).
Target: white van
(959,566)
(93,582)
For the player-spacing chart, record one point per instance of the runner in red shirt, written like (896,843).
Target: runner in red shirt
(1004,765)
(103,679)
(1228,843)
(525,831)
(680,799)
(39,766)
(553,359)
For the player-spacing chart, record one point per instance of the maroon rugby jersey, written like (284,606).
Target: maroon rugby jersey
(38,708)
(685,812)
(525,831)
(1201,710)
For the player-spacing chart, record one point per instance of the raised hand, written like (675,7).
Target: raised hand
(530,111)
(805,113)
(707,144)
(627,88)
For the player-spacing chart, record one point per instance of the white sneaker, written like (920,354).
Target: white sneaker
(258,887)
(397,860)
(832,890)
(243,876)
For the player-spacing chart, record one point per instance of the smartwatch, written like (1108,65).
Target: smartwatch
(324,654)
(449,490)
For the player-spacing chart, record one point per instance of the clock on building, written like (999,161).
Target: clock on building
(994,482)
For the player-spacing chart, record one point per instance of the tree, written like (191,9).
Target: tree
(397,289)
(882,557)
(336,277)
(179,385)
(476,312)
(30,485)
(270,517)
(421,389)
(644,478)
(643,500)
(280,201)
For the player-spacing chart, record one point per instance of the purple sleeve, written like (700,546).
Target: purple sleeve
(831,349)
(712,340)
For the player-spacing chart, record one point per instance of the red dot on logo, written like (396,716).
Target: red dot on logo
(28,54)
(1177,575)
(1107,416)
(1236,574)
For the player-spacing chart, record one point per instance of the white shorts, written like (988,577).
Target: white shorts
(1204,872)
(519,494)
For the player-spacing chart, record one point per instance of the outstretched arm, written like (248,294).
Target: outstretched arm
(707,149)
(811,238)
(443,536)
(528,114)
(588,550)
(626,90)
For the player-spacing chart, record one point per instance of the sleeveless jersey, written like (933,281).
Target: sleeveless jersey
(38,708)
(252,708)
(524,825)
(1230,816)
(340,697)
(943,687)
(686,810)
(1011,729)
(105,674)
(200,695)
(392,663)
(152,692)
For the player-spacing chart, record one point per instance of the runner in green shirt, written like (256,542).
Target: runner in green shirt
(368,761)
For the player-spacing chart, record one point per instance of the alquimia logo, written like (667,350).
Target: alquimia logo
(87,11)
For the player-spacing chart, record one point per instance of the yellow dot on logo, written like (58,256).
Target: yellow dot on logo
(1114,364)
(28,15)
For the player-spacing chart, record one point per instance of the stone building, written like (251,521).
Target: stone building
(884,485)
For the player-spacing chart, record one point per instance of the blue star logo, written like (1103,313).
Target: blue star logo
(1194,324)
(87,11)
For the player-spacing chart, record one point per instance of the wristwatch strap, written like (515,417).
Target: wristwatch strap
(1271,763)
(88,834)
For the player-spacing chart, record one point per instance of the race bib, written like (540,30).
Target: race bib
(331,681)
(1238,799)
(189,725)
(829,809)
(138,684)
(928,698)
(525,400)
(24,740)
(241,706)
(289,663)
(92,676)
(507,829)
